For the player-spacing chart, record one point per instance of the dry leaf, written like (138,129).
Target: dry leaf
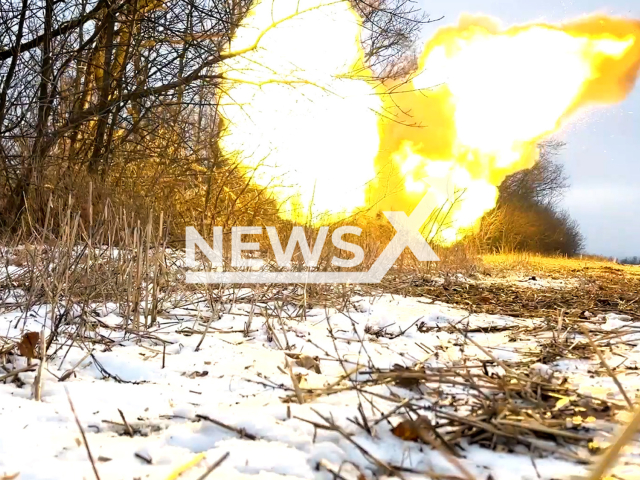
(309,363)
(28,344)
(411,430)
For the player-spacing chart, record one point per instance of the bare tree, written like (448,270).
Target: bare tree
(544,183)
(528,216)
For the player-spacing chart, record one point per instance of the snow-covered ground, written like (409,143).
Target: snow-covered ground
(235,395)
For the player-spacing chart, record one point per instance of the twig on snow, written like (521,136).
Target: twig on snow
(84,437)
(215,465)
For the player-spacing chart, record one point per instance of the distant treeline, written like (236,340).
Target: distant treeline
(630,260)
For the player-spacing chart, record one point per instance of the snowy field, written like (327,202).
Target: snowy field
(286,397)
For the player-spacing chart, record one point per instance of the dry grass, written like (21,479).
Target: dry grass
(504,406)
(533,286)
(553,266)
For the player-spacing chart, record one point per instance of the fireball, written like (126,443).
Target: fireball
(299,113)
(483,98)
(304,118)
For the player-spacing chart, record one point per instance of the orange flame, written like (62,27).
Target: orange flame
(481,100)
(474,111)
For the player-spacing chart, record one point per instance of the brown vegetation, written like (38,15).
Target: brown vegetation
(116,104)
(528,217)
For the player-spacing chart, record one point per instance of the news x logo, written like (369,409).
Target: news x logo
(407,235)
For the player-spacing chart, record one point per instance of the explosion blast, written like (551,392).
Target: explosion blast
(297,110)
(474,111)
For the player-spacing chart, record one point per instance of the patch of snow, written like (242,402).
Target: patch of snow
(166,390)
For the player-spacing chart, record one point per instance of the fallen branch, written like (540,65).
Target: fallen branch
(84,437)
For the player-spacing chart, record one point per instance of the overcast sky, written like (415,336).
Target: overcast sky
(602,156)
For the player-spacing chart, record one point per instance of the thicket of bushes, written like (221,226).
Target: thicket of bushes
(528,216)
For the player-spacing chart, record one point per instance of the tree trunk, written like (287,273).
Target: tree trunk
(103,102)
(33,175)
